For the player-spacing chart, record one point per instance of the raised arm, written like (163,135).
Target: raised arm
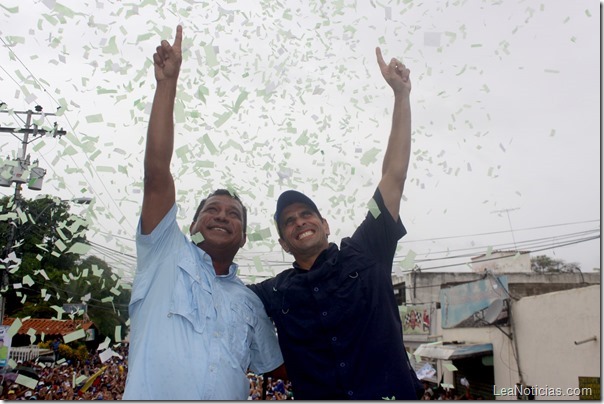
(398,151)
(159,194)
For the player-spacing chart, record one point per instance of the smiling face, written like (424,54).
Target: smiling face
(220,222)
(303,233)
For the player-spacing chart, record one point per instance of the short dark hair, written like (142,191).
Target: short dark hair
(227,193)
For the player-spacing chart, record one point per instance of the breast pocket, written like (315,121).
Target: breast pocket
(241,328)
(354,295)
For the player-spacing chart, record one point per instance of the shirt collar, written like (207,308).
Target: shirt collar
(209,266)
(329,255)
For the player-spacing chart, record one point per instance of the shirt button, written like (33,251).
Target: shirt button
(169,314)
(324,313)
(342,364)
(316,289)
(350,392)
(334,339)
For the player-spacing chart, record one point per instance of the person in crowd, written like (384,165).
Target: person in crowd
(336,314)
(195,327)
(56,381)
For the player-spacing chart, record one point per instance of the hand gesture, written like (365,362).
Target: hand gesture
(395,73)
(167,58)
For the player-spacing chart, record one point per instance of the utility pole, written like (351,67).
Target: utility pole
(19,171)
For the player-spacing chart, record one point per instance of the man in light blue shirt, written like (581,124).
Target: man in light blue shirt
(195,327)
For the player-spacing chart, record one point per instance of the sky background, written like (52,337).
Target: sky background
(274,96)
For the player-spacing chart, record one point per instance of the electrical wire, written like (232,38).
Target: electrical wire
(533,249)
(528,244)
(513,254)
(73,130)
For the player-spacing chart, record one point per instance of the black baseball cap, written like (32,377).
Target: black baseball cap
(289,197)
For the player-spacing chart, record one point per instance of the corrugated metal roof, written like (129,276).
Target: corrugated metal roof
(452,351)
(511,253)
(49,326)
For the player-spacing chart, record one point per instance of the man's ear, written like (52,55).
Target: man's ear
(243,240)
(325,227)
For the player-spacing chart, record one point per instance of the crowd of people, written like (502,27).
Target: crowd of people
(62,380)
(433,391)
(56,381)
(275,389)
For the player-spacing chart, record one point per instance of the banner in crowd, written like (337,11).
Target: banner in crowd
(426,372)
(5,342)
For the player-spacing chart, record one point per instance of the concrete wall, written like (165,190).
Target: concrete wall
(547,327)
(424,287)
(504,261)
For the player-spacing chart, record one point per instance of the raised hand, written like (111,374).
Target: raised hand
(395,73)
(167,58)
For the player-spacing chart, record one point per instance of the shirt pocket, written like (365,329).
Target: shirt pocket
(191,297)
(241,328)
(355,294)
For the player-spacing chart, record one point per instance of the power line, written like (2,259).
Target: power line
(512,255)
(245,258)
(501,231)
(105,248)
(281,264)
(26,68)
(73,130)
(526,245)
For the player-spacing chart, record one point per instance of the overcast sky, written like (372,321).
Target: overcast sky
(274,96)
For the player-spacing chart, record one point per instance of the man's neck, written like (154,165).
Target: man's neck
(221,268)
(221,260)
(306,263)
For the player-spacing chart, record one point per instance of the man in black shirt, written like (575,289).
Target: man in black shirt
(336,315)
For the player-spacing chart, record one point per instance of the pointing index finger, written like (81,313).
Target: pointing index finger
(380,59)
(178,38)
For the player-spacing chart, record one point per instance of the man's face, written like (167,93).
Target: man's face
(220,222)
(303,232)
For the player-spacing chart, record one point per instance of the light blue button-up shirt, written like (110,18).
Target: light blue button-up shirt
(193,334)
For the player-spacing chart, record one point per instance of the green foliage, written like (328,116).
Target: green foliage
(35,229)
(543,264)
(44,345)
(50,276)
(104,315)
(80,353)
(65,351)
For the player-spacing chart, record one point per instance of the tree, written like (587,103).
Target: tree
(41,231)
(543,264)
(46,268)
(103,292)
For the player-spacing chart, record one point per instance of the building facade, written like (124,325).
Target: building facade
(510,333)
